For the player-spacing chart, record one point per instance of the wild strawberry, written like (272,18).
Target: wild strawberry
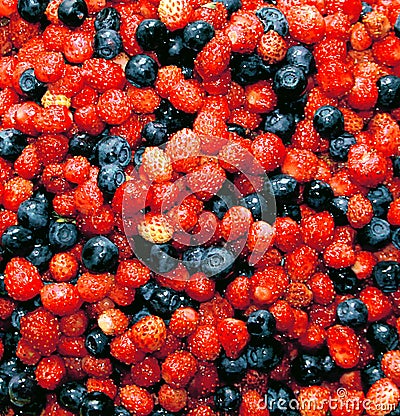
(187,96)
(301,164)
(122,295)
(298,295)
(322,288)
(387,50)
(16,190)
(260,97)
(114,106)
(136,399)
(359,211)
(236,223)
(391,366)
(51,148)
(301,263)
(317,230)
(61,298)
(200,287)
(54,37)
(268,285)
(106,386)
(314,337)
(103,75)
(113,322)
(178,368)
(96,367)
(314,401)
(383,394)
(183,322)
(94,287)
(125,350)
(88,197)
(183,148)
(213,13)
(360,39)
(342,408)
(306,24)
(156,164)
(363,95)
(147,372)
(252,404)
(85,96)
(143,100)
(149,333)
(269,151)
(155,228)
(28,165)
(334,78)
(272,47)
(172,399)
(53,119)
(343,346)
(132,273)
(74,324)
(201,410)
(175,15)
(377,303)
(50,371)
(50,67)
(338,255)
(78,47)
(26,353)
(88,120)
(22,31)
(233,336)
(168,77)
(204,343)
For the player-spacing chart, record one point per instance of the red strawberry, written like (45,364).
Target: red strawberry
(149,333)
(317,230)
(53,119)
(188,96)
(268,285)
(236,223)
(105,385)
(136,399)
(171,399)
(306,24)
(233,336)
(204,343)
(213,13)
(383,394)
(179,368)
(125,350)
(391,366)
(343,345)
(60,298)
(114,106)
(377,303)
(147,372)
(50,371)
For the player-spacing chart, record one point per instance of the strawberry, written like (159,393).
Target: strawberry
(306,24)
(188,96)
(94,287)
(342,408)
(155,228)
(236,223)
(132,273)
(338,255)
(147,372)
(204,343)
(377,303)
(106,386)
(114,107)
(179,368)
(156,164)
(363,94)
(268,285)
(103,75)
(113,322)
(175,14)
(391,366)
(233,336)
(143,100)
(50,371)
(322,288)
(74,324)
(96,367)
(314,401)
(253,404)
(26,353)
(53,119)
(61,298)
(317,230)
(301,263)
(383,394)
(125,350)
(213,13)
(269,151)
(183,322)
(149,333)
(172,399)
(136,399)
(272,47)
(344,347)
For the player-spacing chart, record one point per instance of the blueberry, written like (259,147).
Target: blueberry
(344,280)
(396,166)
(279,398)
(163,258)
(284,187)
(256,204)
(352,312)
(383,337)
(236,128)
(97,343)
(388,92)
(107,18)
(280,123)
(107,44)
(374,235)
(11,366)
(396,411)
(155,133)
(32,10)
(232,369)
(192,257)
(16,316)
(338,206)
(23,389)
(62,235)
(40,255)
(380,198)
(261,323)
(82,144)
(174,119)
(121,411)
(317,194)
(371,373)
(300,56)
(231,5)
(151,34)
(221,202)
(273,19)
(396,238)
(174,51)
(160,411)
(197,34)
(330,369)
(71,395)
(217,262)
(365,9)
(141,71)
(146,291)
(289,82)
(386,276)
(248,68)
(4,380)
(110,177)
(265,357)
(72,12)
(396,26)
(329,122)
(339,147)
(3,291)
(99,254)
(33,214)
(289,210)
(31,86)
(12,143)
(227,399)
(138,155)
(113,150)
(164,301)
(96,403)
(141,313)
(307,369)
(17,240)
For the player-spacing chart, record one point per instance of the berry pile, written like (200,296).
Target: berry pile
(200,207)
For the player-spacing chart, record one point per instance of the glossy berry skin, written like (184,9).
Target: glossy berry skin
(261,324)
(17,240)
(197,34)
(344,280)
(329,122)
(151,34)
(33,214)
(307,369)
(155,133)
(248,68)
(22,389)
(32,10)
(396,238)
(72,12)
(289,82)
(164,301)
(374,235)
(12,143)
(388,92)
(382,336)
(71,395)
(380,198)
(352,312)
(232,369)
(107,43)
(162,258)
(284,187)
(121,411)
(337,207)
(110,178)
(174,51)
(31,86)
(300,56)
(107,18)
(141,71)
(227,399)
(339,146)
(386,275)
(265,357)
(99,254)
(81,144)
(317,195)
(113,149)
(278,396)
(217,262)
(97,343)
(371,373)
(273,19)
(96,403)
(192,257)
(257,205)
(62,235)
(281,123)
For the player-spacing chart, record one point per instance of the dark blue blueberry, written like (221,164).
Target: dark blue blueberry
(307,369)
(248,68)
(338,206)
(365,9)
(352,312)
(97,343)
(96,403)
(162,258)
(220,203)
(227,399)
(289,210)
(110,177)
(23,389)
(18,240)
(339,147)
(317,194)
(374,235)
(141,71)
(107,44)
(396,411)
(146,291)
(107,18)
(236,128)
(3,291)
(155,133)
(4,380)
(192,257)
(396,166)
(289,82)
(137,157)
(217,262)
(231,5)
(10,341)
(284,187)
(33,214)
(344,280)
(261,324)
(273,19)
(31,86)
(197,34)
(300,56)
(386,276)
(71,395)
(113,150)
(380,198)
(151,34)
(329,122)
(265,357)
(232,369)
(174,51)
(141,313)
(16,316)
(62,235)
(371,373)
(160,411)
(11,366)
(388,92)
(256,204)
(40,255)
(72,12)
(164,301)
(280,398)
(396,26)
(280,123)
(121,411)
(81,144)
(174,119)
(32,10)
(331,370)
(99,254)
(187,72)
(396,238)
(383,337)
(32,409)
(12,143)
